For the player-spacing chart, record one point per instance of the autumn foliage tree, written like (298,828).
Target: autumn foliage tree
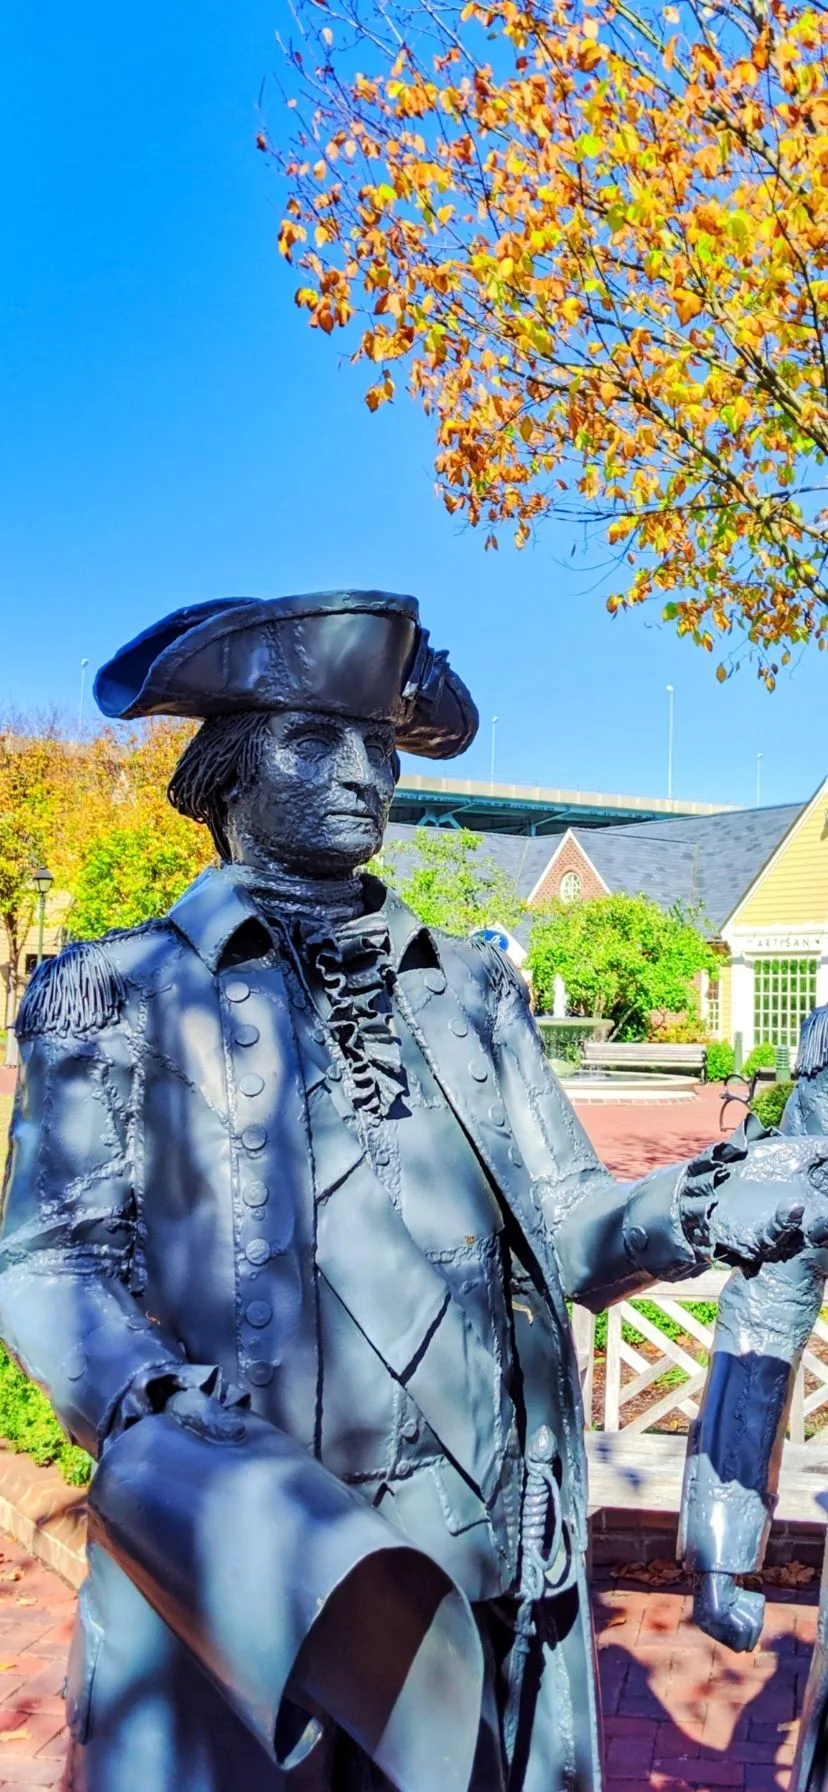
(592,236)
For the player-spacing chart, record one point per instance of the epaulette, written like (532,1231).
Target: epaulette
(812,1055)
(502,973)
(80,991)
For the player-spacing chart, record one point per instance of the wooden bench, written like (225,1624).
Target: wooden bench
(649,1056)
(631,1465)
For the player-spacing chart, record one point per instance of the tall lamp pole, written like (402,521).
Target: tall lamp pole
(670,695)
(43,881)
(495,720)
(84,664)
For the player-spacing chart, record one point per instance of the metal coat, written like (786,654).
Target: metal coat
(160,1141)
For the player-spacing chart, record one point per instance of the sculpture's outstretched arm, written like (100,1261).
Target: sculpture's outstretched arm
(743,1201)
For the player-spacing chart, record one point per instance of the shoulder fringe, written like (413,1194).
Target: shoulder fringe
(812,1055)
(78,992)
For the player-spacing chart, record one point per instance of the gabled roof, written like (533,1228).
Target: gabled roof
(704,861)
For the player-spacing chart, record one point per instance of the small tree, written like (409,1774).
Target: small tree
(140,855)
(620,957)
(449,882)
(132,875)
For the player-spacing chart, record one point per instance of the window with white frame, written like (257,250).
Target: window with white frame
(713,1007)
(570,886)
(784,991)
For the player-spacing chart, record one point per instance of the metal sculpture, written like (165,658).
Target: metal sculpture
(294,1207)
(735,1447)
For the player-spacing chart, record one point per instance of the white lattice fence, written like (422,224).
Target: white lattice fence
(629,1373)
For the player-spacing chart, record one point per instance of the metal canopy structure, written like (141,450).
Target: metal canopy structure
(525,808)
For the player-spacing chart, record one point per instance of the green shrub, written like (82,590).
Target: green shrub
(28,1424)
(769,1106)
(721,1060)
(704,1310)
(763,1057)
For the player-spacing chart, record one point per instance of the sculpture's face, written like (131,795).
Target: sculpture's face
(320,801)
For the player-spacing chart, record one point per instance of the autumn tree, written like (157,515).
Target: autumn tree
(35,788)
(592,237)
(138,858)
(621,957)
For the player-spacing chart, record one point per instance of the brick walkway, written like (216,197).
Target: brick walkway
(680,1712)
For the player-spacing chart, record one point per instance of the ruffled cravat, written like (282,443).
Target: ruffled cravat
(353,964)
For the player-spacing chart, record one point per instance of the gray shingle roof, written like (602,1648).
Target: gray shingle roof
(704,861)
(701,861)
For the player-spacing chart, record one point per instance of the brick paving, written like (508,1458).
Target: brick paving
(682,1714)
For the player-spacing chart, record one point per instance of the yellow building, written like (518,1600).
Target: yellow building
(777,936)
(754,880)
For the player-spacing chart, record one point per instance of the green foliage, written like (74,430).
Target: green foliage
(619,956)
(763,1057)
(688,1029)
(449,882)
(721,1060)
(704,1310)
(28,1424)
(770,1104)
(131,875)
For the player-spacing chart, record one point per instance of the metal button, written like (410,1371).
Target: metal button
(515,1157)
(251,1085)
(258,1250)
(637,1238)
(318,1033)
(300,1000)
(255,1194)
(435,981)
(333,1073)
(260,1374)
(411,1430)
(254,1137)
(479,1070)
(236,990)
(458,1027)
(259,1312)
(246,1035)
(383,1156)
(497,1114)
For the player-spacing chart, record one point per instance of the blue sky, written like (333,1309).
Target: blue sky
(171,430)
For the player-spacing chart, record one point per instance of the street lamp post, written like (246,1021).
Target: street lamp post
(670,695)
(43,881)
(83,665)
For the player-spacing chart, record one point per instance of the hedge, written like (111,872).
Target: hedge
(28,1424)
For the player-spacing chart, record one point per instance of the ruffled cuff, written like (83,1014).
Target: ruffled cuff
(706,1174)
(154,1385)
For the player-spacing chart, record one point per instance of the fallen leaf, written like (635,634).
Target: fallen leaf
(15,1735)
(23,1599)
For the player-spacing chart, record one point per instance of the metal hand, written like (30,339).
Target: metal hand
(728,1612)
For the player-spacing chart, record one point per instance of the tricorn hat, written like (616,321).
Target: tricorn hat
(356,653)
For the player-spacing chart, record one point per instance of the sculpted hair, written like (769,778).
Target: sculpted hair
(223,756)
